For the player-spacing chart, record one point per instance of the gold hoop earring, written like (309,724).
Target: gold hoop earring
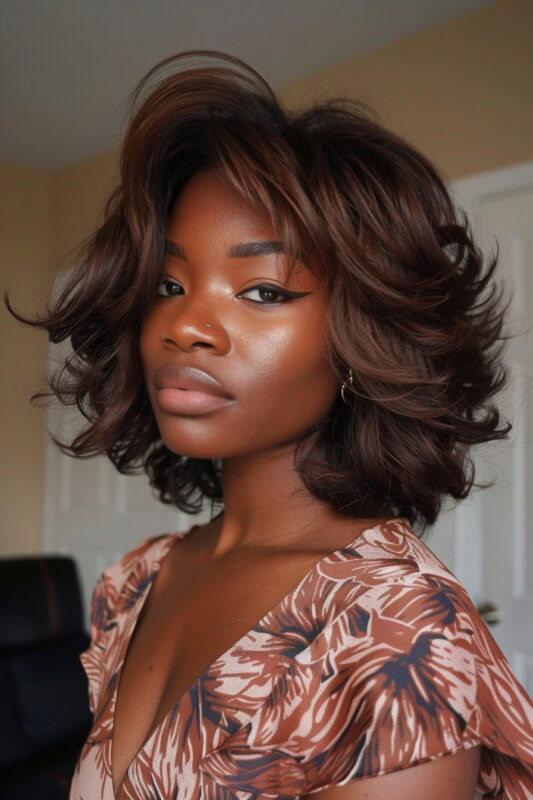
(347,382)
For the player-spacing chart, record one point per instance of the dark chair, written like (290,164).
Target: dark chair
(45,716)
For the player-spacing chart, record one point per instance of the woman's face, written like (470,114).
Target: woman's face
(267,350)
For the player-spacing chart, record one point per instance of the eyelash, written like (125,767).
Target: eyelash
(287,295)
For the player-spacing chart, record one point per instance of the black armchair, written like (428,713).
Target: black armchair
(43,689)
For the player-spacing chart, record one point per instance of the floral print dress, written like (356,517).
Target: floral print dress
(377,660)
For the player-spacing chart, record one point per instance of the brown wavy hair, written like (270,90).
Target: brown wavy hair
(414,310)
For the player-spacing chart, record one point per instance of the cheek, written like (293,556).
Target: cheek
(294,367)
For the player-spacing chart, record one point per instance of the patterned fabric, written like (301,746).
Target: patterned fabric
(377,660)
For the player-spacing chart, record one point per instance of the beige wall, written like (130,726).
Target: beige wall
(25,258)
(78,197)
(460,91)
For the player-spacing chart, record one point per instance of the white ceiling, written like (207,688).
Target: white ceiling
(68,67)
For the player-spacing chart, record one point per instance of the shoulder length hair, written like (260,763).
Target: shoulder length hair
(414,311)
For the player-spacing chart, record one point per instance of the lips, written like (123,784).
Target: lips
(179,376)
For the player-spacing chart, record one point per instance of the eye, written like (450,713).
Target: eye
(171,288)
(269,290)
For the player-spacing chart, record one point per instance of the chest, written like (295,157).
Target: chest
(186,623)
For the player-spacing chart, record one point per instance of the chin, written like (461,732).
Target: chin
(179,447)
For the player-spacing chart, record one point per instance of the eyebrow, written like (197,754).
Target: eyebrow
(242,250)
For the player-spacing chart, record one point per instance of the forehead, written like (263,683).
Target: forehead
(209,213)
(207,195)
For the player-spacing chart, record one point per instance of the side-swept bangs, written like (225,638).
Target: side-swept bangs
(212,118)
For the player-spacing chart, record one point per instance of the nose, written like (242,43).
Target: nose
(200,326)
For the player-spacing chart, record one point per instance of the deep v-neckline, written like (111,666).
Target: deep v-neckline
(170,540)
(141,600)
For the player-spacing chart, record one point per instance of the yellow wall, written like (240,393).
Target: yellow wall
(460,91)
(78,197)
(24,258)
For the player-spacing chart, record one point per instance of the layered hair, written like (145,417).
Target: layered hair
(414,310)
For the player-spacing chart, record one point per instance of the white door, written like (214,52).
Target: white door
(488,540)
(96,515)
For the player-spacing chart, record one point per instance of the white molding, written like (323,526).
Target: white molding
(468,546)
(520,470)
(50,449)
(499,180)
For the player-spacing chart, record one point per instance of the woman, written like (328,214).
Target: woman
(284,313)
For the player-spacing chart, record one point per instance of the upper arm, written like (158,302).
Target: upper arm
(450,777)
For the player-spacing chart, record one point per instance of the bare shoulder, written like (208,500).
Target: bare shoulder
(450,776)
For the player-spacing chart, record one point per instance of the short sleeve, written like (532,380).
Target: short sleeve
(396,679)
(404,692)
(113,595)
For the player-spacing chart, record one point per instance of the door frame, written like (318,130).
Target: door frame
(468,522)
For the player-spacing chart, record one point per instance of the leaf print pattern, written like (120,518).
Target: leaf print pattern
(377,660)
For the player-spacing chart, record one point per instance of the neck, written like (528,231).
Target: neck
(267,506)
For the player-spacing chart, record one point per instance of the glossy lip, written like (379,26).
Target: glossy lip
(187,402)
(181,376)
